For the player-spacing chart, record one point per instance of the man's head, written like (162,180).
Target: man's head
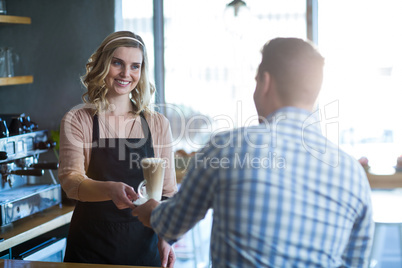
(290,74)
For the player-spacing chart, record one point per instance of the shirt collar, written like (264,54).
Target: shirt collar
(305,117)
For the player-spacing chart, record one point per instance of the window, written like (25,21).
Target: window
(361,42)
(211,58)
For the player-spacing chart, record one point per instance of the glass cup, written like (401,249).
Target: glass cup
(9,59)
(151,187)
(3,10)
(3,72)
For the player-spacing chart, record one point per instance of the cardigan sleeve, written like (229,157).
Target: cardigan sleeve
(75,148)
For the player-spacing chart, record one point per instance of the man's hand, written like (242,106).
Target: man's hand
(166,252)
(144,211)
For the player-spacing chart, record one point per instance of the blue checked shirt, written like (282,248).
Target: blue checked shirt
(282,196)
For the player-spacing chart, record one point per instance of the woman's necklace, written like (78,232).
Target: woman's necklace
(116,126)
(132,126)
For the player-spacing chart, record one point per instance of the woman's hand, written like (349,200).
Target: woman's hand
(122,195)
(166,252)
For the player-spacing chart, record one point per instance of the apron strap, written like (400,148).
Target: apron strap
(147,135)
(95,129)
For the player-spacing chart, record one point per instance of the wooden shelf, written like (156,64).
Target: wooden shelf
(16,80)
(14,19)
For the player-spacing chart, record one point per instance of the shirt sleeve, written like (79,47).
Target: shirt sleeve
(358,250)
(191,203)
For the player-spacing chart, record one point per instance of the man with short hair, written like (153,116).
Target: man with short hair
(282,195)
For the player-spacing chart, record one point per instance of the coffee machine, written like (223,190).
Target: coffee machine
(27,185)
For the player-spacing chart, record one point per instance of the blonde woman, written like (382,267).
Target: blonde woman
(101,145)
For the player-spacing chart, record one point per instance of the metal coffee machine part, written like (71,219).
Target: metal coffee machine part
(27,185)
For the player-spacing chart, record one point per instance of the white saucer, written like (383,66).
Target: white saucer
(140,201)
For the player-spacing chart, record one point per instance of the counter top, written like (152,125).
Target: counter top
(38,264)
(382,181)
(34,225)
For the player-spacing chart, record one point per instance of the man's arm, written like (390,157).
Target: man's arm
(358,250)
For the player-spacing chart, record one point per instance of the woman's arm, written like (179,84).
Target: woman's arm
(120,193)
(74,130)
(75,147)
(163,145)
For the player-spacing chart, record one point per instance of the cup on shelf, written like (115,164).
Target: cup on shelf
(9,61)
(3,72)
(3,10)
(8,58)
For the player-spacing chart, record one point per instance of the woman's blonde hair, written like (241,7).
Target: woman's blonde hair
(98,66)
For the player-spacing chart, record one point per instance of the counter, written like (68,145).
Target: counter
(34,226)
(36,264)
(390,181)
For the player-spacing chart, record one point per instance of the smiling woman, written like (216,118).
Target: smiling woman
(97,142)
(110,58)
(124,72)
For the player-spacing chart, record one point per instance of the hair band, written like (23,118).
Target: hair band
(124,37)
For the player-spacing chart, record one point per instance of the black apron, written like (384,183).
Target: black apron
(99,231)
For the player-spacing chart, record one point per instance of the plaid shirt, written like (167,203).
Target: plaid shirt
(282,196)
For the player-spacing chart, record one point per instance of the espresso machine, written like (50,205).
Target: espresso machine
(27,185)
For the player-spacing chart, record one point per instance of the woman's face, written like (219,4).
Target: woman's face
(125,71)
